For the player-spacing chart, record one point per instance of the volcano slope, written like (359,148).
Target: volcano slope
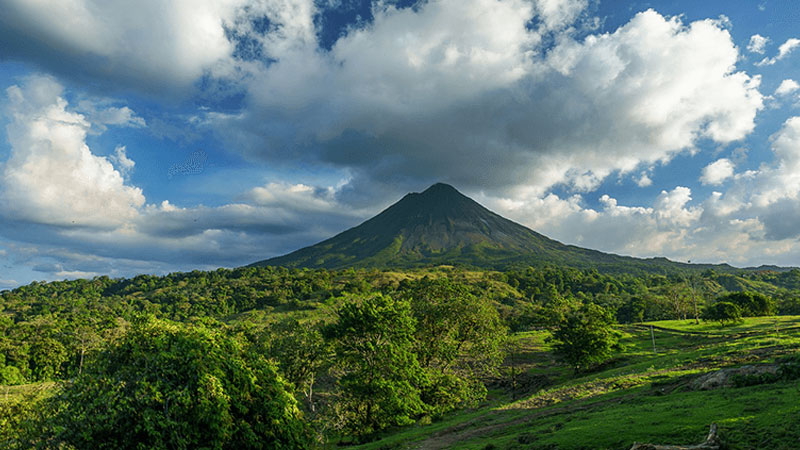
(442,226)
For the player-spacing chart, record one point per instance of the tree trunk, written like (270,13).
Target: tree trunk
(310,393)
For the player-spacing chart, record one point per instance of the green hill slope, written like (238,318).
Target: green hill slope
(641,396)
(442,226)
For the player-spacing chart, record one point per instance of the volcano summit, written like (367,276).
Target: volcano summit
(443,226)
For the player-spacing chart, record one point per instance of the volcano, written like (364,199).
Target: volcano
(442,226)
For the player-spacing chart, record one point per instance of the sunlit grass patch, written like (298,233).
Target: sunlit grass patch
(641,395)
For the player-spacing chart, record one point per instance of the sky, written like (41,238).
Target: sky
(160,136)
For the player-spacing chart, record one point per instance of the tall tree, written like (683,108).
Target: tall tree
(458,339)
(300,351)
(380,375)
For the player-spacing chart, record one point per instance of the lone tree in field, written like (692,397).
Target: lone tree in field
(585,336)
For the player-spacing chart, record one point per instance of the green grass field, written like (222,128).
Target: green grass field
(639,396)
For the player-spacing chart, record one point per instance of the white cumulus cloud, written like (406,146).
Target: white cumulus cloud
(788,47)
(82,216)
(717,172)
(787,87)
(101,115)
(781,180)
(52,176)
(120,159)
(394,101)
(151,44)
(757,43)
(644,180)
(557,14)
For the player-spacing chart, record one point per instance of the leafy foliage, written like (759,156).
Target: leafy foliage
(585,336)
(751,304)
(9,375)
(458,340)
(380,374)
(21,418)
(723,312)
(170,386)
(448,328)
(300,351)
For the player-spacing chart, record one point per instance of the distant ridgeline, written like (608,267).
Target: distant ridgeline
(443,226)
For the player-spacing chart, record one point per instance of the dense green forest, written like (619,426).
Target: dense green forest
(286,358)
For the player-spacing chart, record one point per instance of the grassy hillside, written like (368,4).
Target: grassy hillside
(640,396)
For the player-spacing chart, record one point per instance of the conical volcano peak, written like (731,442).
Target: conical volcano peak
(441,189)
(438,190)
(438,200)
(440,225)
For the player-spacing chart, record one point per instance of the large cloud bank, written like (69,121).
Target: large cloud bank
(62,201)
(471,93)
(506,99)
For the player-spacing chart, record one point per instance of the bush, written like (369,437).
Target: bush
(751,304)
(9,374)
(723,312)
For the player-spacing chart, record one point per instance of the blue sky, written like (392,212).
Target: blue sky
(167,136)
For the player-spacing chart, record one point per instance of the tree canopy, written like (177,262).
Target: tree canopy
(380,373)
(458,340)
(166,385)
(585,336)
(750,304)
(723,312)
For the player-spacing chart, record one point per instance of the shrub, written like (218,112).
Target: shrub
(723,312)
(751,304)
(9,374)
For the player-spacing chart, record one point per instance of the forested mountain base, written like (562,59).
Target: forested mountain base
(355,356)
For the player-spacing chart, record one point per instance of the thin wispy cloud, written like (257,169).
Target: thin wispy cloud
(784,50)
